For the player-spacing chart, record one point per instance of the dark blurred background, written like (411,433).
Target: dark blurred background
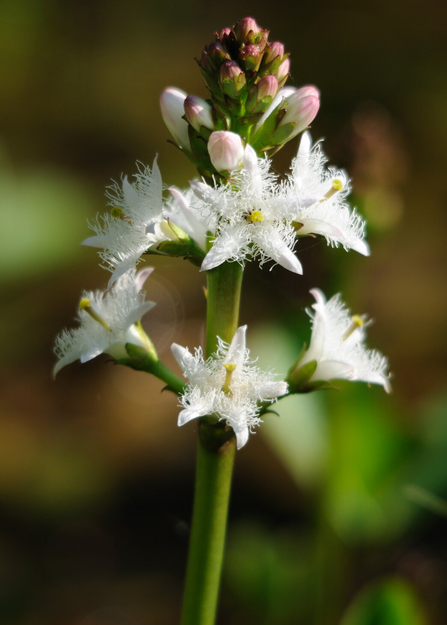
(338,512)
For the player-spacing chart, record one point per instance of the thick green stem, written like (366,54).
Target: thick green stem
(213,484)
(224,290)
(215,459)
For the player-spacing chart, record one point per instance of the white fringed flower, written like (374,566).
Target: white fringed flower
(337,345)
(107,321)
(318,197)
(190,214)
(227,385)
(134,224)
(252,217)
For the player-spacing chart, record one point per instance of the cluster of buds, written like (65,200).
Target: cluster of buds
(245,74)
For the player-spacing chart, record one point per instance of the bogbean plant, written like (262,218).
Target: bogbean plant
(237,211)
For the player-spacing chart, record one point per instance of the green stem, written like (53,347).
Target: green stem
(224,290)
(215,460)
(212,493)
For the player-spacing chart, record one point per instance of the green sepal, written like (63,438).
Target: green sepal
(318,385)
(299,376)
(186,248)
(139,358)
(262,137)
(282,134)
(272,67)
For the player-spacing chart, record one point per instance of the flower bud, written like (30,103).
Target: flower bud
(301,108)
(251,57)
(272,50)
(267,86)
(283,70)
(232,78)
(216,54)
(244,27)
(226,150)
(172,110)
(198,112)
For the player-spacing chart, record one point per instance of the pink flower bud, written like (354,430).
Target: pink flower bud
(274,49)
(243,28)
(251,57)
(230,70)
(232,78)
(283,70)
(172,110)
(267,86)
(226,150)
(301,108)
(198,112)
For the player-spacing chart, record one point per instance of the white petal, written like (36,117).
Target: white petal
(183,356)
(227,246)
(271,390)
(333,370)
(275,248)
(242,437)
(317,226)
(100,241)
(236,351)
(130,194)
(197,229)
(141,277)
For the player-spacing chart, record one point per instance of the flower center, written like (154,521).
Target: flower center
(357,322)
(255,217)
(230,367)
(337,186)
(85,304)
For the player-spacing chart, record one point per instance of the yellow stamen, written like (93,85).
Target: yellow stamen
(255,217)
(357,322)
(337,185)
(85,304)
(230,367)
(117,212)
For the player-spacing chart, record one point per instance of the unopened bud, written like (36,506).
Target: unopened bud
(215,54)
(251,57)
(244,27)
(301,108)
(232,78)
(283,70)
(226,150)
(272,50)
(267,86)
(172,109)
(199,113)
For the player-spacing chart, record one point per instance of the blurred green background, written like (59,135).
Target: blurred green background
(338,513)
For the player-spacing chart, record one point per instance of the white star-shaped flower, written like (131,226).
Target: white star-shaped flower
(252,217)
(227,385)
(107,321)
(134,224)
(318,197)
(337,345)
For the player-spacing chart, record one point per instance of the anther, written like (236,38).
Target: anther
(85,304)
(255,217)
(337,186)
(357,322)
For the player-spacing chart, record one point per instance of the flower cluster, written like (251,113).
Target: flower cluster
(245,74)
(239,211)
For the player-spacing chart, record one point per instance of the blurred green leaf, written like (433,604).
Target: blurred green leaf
(388,602)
